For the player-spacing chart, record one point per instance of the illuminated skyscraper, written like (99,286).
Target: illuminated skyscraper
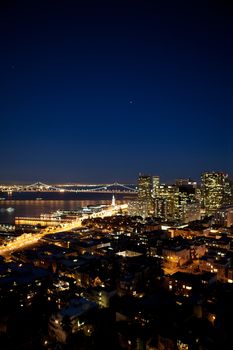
(215,191)
(144,187)
(155,186)
(189,200)
(167,202)
(144,195)
(176,202)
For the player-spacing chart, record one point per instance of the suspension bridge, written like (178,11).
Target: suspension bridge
(42,187)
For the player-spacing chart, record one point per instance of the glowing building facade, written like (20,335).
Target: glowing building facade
(144,195)
(167,202)
(216,191)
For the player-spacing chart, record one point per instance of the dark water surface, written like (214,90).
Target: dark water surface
(25,204)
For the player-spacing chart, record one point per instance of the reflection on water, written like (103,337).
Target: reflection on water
(35,207)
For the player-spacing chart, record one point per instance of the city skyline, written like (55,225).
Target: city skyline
(116,175)
(98,93)
(115,182)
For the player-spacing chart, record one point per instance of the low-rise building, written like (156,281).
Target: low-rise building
(70,319)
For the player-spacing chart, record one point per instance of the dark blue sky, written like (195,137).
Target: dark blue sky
(94,92)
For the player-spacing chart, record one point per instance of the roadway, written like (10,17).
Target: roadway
(28,239)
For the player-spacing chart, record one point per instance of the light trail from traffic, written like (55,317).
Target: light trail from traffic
(28,239)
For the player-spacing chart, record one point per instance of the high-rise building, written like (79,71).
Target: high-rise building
(185,201)
(155,186)
(145,195)
(176,202)
(189,200)
(215,191)
(167,202)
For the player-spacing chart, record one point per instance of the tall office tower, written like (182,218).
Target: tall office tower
(144,195)
(167,202)
(155,186)
(228,192)
(215,191)
(189,200)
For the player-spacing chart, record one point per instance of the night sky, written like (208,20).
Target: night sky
(94,91)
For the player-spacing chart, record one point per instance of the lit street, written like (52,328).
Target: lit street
(28,239)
